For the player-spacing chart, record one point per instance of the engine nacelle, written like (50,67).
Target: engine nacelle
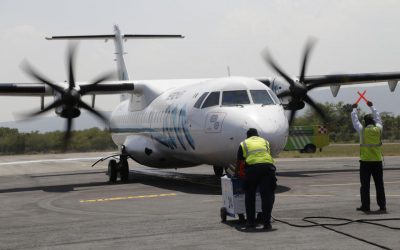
(68,112)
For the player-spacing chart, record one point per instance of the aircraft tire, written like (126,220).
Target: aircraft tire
(112,171)
(218,171)
(124,170)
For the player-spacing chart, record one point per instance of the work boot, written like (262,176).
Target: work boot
(364,209)
(267,227)
(250,225)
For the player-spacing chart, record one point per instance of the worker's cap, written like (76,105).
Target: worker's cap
(252,132)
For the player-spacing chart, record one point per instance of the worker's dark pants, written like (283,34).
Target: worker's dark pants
(263,177)
(376,170)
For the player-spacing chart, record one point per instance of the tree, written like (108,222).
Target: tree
(339,123)
(94,139)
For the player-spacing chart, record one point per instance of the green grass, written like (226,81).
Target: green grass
(342,150)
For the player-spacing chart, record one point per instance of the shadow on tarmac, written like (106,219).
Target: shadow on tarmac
(180,182)
(53,188)
(187,183)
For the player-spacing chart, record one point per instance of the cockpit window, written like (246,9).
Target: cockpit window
(276,99)
(200,100)
(212,100)
(236,97)
(261,97)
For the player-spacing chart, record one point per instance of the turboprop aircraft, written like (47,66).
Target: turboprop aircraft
(186,122)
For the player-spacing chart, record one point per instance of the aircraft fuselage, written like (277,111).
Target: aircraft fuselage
(175,131)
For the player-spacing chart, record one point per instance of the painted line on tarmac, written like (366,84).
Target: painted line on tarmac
(349,184)
(128,198)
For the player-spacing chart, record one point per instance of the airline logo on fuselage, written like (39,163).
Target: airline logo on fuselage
(175,129)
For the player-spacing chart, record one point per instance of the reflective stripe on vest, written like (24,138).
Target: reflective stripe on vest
(370,144)
(256,150)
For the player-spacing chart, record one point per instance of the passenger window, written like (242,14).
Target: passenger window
(235,97)
(200,100)
(261,97)
(212,100)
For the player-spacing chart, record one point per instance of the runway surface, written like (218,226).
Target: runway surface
(60,202)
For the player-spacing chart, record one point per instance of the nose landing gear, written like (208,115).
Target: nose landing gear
(218,171)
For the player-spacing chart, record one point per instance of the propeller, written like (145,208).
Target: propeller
(298,90)
(69,99)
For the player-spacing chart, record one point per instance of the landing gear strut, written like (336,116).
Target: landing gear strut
(120,168)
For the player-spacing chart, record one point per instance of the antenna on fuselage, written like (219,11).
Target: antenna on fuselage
(229,70)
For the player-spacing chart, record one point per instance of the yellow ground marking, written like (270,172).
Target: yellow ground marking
(350,184)
(128,197)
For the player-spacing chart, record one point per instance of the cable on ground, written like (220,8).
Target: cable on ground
(345,221)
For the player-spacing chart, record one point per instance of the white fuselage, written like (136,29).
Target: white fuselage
(166,130)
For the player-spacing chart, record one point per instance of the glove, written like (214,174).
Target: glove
(354,106)
(369,104)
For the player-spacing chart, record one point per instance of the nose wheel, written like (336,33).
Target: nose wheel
(118,169)
(218,171)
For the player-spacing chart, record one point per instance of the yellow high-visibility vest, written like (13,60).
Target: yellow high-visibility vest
(371,144)
(256,150)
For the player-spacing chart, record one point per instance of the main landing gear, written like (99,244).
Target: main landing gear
(118,169)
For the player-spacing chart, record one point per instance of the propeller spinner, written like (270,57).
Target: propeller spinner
(70,98)
(298,90)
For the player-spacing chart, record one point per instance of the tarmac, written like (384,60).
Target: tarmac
(60,202)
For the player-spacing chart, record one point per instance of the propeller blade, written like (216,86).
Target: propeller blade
(291,118)
(102,78)
(71,57)
(34,74)
(91,87)
(93,111)
(67,135)
(319,111)
(307,50)
(272,63)
(55,104)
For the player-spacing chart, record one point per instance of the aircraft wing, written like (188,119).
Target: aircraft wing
(337,80)
(334,81)
(40,89)
(24,89)
(344,79)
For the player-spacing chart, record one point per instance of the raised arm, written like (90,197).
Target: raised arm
(376,115)
(354,118)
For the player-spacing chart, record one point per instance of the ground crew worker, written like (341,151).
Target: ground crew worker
(259,172)
(370,157)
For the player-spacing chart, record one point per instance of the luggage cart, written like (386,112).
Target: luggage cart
(234,200)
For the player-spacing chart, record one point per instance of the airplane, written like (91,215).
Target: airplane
(185,122)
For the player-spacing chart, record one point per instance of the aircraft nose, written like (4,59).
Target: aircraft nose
(271,125)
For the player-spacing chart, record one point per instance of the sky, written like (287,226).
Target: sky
(353,36)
